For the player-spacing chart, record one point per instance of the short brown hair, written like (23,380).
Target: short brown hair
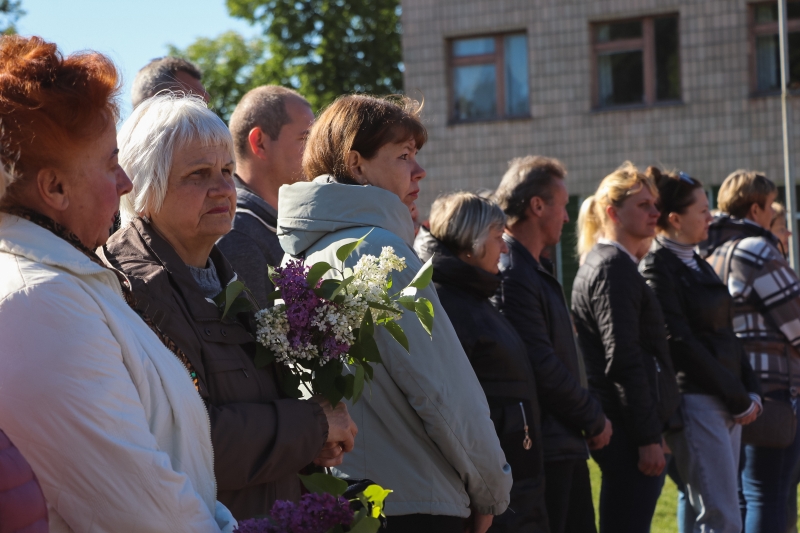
(361,123)
(743,188)
(526,177)
(265,108)
(50,104)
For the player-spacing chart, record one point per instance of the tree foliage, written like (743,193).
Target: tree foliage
(10,12)
(322,48)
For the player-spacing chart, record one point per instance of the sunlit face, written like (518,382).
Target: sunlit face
(780,230)
(94,182)
(285,154)
(200,202)
(691,226)
(637,216)
(490,258)
(394,168)
(555,215)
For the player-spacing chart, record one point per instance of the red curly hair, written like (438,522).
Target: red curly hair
(50,105)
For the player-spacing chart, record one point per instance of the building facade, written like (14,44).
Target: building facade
(682,84)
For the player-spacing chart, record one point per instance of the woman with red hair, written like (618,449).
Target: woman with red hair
(99,401)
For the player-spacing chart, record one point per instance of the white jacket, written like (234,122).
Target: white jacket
(424,426)
(106,415)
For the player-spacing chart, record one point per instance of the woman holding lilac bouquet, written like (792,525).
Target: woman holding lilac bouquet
(424,423)
(179,156)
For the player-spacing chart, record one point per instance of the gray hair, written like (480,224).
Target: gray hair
(462,221)
(526,177)
(149,138)
(263,107)
(158,75)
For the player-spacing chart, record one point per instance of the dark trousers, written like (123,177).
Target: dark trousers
(526,512)
(424,523)
(568,496)
(627,497)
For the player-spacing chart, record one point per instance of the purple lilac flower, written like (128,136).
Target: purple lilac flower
(316,513)
(301,301)
(332,349)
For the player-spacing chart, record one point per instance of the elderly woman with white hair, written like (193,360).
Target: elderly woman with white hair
(468,242)
(179,156)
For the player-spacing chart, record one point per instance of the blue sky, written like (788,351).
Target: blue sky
(131,32)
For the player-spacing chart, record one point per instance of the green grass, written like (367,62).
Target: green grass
(665,518)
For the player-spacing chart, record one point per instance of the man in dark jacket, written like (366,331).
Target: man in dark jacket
(269,127)
(534,198)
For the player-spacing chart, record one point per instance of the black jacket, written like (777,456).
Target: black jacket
(624,343)
(707,355)
(533,301)
(497,355)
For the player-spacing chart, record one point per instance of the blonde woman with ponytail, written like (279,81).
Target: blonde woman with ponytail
(624,343)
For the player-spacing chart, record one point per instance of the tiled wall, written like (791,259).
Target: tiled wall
(717,128)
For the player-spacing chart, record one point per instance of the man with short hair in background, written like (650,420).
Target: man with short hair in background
(269,127)
(534,198)
(167,74)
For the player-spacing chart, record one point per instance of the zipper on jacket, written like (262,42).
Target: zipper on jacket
(526,442)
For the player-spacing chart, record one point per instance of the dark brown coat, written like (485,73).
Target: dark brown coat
(261,439)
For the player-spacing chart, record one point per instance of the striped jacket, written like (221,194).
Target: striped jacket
(766,297)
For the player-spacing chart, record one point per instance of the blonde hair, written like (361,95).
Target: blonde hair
(462,221)
(615,188)
(741,189)
(780,211)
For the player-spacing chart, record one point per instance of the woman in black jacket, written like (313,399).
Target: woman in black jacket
(469,240)
(624,343)
(720,392)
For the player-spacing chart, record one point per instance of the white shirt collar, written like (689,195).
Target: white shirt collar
(603,240)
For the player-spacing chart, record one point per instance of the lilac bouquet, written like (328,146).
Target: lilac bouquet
(323,510)
(320,327)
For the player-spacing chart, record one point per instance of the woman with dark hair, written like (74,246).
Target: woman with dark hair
(719,391)
(468,232)
(97,399)
(622,337)
(425,429)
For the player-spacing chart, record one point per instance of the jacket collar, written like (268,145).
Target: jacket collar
(523,253)
(448,269)
(246,198)
(675,263)
(163,252)
(26,239)
(726,228)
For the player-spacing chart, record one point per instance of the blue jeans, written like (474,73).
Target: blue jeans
(766,480)
(706,454)
(627,497)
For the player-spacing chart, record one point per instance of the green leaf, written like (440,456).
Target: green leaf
(316,272)
(367,328)
(424,310)
(232,291)
(367,370)
(406,298)
(358,383)
(271,273)
(239,305)
(342,286)
(376,495)
(327,288)
(376,305)
(345,385)
(274,295)
(389,282)
(320,483)
(366,524)
(345,250)
(264,356)
(423,277)
(397,332)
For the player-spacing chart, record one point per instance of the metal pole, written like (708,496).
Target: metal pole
(791,195)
